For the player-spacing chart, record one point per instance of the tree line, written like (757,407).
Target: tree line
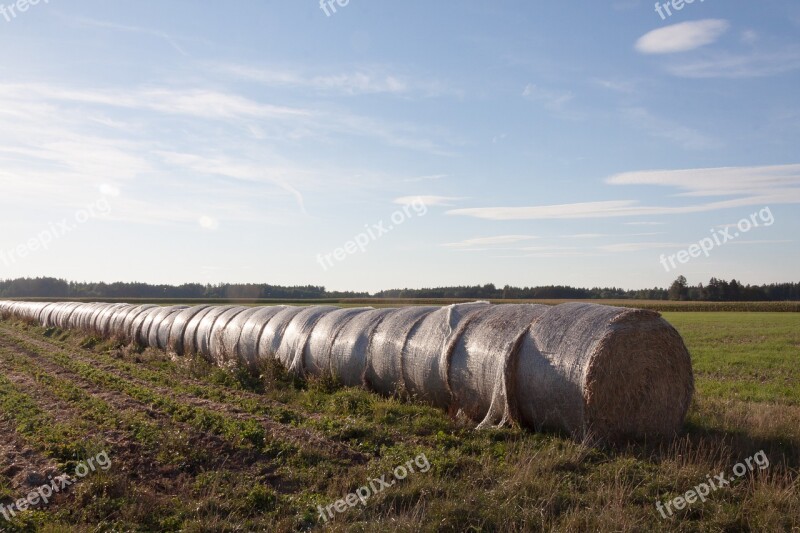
(716,290)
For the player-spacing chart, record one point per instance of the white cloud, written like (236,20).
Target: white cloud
(721,181)
(681,37)
(363,80)
(748,186)
(754,64)
(427,200)
(487,241)
(670,130)
(553,100)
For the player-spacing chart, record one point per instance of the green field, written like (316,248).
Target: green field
(196,448)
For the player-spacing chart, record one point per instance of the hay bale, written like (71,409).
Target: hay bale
(348,355)
(481,361)
(136,332)
(122,329)
(294,338)
(103,320)
(216,349)
(250,338)
(225,350)
(384,371)
(602,371)
(317,351)
(190,340)
(161,320)
(422,357)
(272,333)
(177,331)
(205,327)
(63,320)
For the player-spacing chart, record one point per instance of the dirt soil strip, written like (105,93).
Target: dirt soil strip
(24,467)
(123,447)
(136,460)
(301,437)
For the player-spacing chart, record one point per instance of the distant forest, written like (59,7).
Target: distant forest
(716,290)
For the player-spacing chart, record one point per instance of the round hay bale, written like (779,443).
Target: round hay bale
(348,355)
(163,328)
(250,338)
(163,319)
(177,331)
(103,323)
(317,352)
(203,334)
(604,372)
(295,336)
(481,362)
(216,349)
(272,334)
(102,320)
(190,342)
(422,375)
(124,329)
(64,319)
(384,371)
(226,349)
(136,333)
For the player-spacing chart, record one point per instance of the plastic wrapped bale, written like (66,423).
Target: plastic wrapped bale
(123,330)
(77,316)
(423,365)
(272,334)
(481,362)
(250,338)
(91,324)
(216,350)
(43,316)
(64,319)
(102,320)
(162,318)
(225,348)
(348,359)
(384,372)
(204,329)
(177,331)
(84,315)
(190,334)
(164,327)
(605,372)
(137,333)
(295,336)
(317,352)
(93,315)
(108,324)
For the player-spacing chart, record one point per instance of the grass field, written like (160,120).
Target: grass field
(196,448)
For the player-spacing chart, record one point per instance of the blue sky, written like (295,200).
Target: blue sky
(523,143)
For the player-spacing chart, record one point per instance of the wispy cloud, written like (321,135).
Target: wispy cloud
(488,241)
(360,81)
(670,130)
(682,37)
(89,22)
(721,181)
(428,200)
(749,186)
(752,64)
(552,100)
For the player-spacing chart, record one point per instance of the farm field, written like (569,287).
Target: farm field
(197,448)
